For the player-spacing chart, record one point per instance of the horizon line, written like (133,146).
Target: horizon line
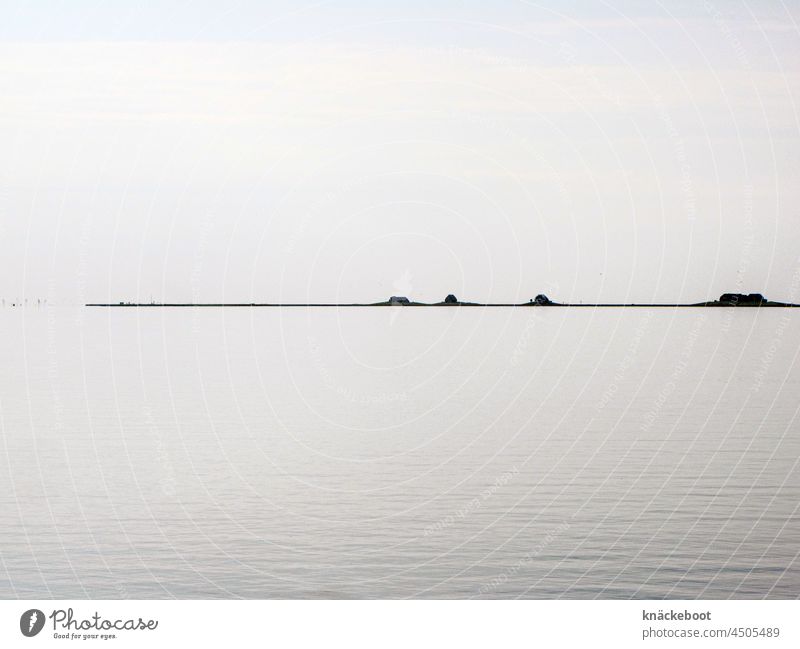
(541,300)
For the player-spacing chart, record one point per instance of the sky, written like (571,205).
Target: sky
(348,151)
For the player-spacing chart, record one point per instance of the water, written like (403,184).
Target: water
(393,452)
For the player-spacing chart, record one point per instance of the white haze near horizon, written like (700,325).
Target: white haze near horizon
(344,151)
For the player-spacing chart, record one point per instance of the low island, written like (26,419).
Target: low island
(737,300)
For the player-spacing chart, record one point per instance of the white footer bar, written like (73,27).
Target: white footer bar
(401,624)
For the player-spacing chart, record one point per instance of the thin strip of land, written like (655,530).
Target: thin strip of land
(725,300)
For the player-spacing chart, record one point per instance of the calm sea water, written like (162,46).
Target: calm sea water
(456,453)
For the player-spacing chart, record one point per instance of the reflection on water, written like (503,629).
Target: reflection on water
(459,453)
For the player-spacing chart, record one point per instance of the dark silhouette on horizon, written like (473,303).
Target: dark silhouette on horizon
(739,300)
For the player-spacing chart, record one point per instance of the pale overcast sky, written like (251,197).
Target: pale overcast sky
(350,150)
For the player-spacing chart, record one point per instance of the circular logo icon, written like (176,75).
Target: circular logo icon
(31,622)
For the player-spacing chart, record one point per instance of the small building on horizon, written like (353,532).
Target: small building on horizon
(399,300)
(742,298)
